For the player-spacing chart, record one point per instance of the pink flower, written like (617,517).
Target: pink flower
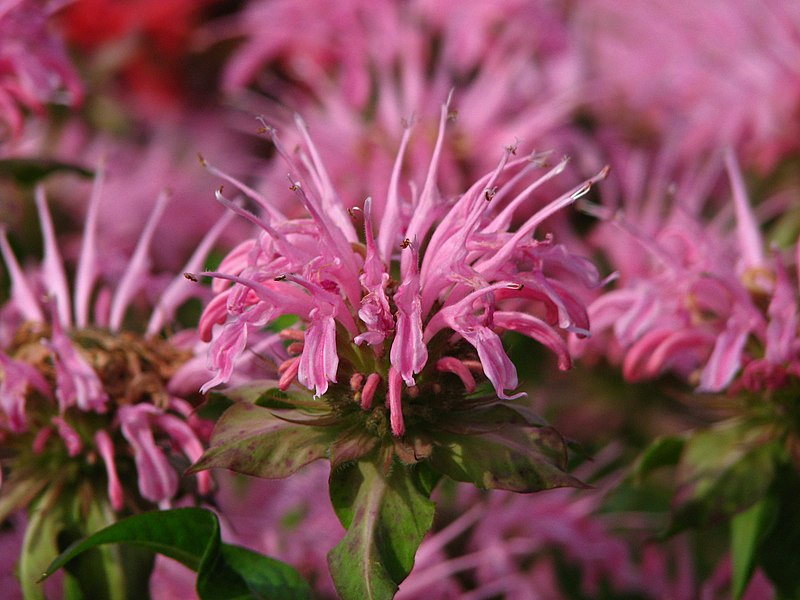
(702,77)
(693,300)
(81,384)
(35,69)
(137,174)
(512,66)
(463,276)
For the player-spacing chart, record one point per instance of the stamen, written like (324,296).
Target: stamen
(450,364)
(357,381)
(368,393)
(290,368)
(395,403)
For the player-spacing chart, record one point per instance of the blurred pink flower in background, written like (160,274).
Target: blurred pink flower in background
(703,76)
(79,332)
(697,295)
(166,159)
(369,67)
(35,69)
(85,395)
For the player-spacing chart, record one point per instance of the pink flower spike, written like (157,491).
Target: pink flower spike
(181,289)
(53,264)
(726,358)
(229,345)
(422,220)
(134,278)
(374,311)
(158,481)
(387,233)
(265,204)
(41,439)
(215,313)
(496,364)
(450,364)
(76,382)
(783,318)
(187,441)
(320,360)
(527,229)
(68,434)
(394,402)
(234,262)
(330,202)
(17,377)
(751,244)
(368,392)
(106,449)
(409,352)
(538,330)
(21,293)
(87,263)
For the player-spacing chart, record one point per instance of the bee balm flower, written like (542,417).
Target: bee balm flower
(86,399)
(410,309)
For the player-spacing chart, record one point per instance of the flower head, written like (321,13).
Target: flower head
(708,302)
(411,310)
(86,395)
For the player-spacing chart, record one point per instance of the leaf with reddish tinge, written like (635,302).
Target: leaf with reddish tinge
(519,459)
(250,439)
(386,517)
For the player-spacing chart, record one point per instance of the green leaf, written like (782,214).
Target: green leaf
(249,392)
(665,451)
(777,554)
(252,440)
(352,445)
(280,400)
(386,517)
(266,393)
(519,459)
(485,417)
(191,536)
(63,514)
(748,529)
(111,572)
(31,170)
(723,470)
(40,543)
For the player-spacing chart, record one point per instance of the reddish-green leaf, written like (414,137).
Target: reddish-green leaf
(252,440)
(520,459)
(386,517)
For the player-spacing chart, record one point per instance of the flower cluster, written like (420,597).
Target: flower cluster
(708,303)
(84,397)
(386,314)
